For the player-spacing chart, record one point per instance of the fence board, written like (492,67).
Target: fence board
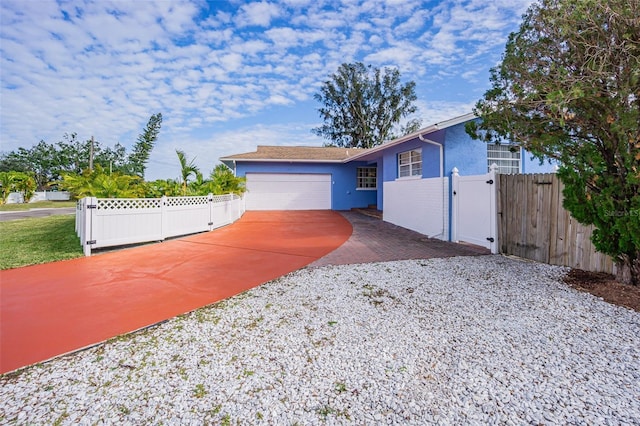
(534,225)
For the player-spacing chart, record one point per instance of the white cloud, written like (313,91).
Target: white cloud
(102,68)
(258,14)
(404,55)
(437,111)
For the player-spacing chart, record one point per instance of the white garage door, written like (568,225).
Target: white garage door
(284,191)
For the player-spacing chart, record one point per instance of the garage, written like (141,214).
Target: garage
(288,191)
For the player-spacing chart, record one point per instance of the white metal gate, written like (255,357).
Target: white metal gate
(474,217)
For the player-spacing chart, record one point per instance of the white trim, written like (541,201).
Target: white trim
(411,163)
(374,178)
(414,177)
(497,160)
(281,160)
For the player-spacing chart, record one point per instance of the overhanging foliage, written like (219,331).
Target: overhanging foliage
(568,88)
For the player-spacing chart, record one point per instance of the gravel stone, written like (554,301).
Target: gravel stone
(467,340)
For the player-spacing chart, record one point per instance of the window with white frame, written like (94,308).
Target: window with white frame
(367,178)
(506,157)
(410,163)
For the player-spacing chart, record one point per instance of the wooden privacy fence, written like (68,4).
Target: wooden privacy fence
(533,224)
(107,222)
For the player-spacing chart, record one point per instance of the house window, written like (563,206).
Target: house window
(506,157)
(367,178)
(410,163)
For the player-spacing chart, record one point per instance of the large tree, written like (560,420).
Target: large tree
(361,106)
(568,88)
(142,149)
(40,161)
(47,162)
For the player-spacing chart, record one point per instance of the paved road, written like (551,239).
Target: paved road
(5,216)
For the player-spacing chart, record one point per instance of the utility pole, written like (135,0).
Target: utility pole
(91,155)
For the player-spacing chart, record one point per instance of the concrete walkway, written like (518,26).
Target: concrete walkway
(54,308)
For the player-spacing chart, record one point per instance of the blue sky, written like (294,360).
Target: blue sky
(229,75)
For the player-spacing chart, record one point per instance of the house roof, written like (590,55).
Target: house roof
(314,154)
(424,132)
(296,154)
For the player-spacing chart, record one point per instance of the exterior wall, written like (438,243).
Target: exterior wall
(469,156)
(532,165)
(344,195)
(388,165)
(430,159)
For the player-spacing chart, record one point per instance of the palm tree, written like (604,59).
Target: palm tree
(186,170)
(97,183)
(225,182)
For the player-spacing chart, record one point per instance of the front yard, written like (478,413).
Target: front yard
(465,340)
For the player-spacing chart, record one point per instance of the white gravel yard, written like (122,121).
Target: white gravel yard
(466,340)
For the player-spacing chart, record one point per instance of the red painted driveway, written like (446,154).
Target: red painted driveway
(51,309)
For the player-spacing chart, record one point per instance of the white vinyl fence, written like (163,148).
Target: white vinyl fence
(17,197)
(107,222)
(421,205)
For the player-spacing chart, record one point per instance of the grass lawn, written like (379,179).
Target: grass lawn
(38,240)
(37,205)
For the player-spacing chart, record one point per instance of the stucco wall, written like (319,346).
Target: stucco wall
(469,156)
(344,195)
(430,158)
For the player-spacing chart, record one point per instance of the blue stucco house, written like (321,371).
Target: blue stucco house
(281,178)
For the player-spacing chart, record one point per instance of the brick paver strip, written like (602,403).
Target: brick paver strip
(374,240)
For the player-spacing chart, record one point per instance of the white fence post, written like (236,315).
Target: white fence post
(90,205)
(164,218)
(211,212)
(493,171)
(455,176)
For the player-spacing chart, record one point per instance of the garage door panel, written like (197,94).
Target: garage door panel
(288,177)
(281,187)
(282,191)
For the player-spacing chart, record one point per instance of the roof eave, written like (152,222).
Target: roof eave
(279,160)
(422,132)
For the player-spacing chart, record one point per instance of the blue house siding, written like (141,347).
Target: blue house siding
(344,195)
(532,165)
(470,156)
(430,159)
